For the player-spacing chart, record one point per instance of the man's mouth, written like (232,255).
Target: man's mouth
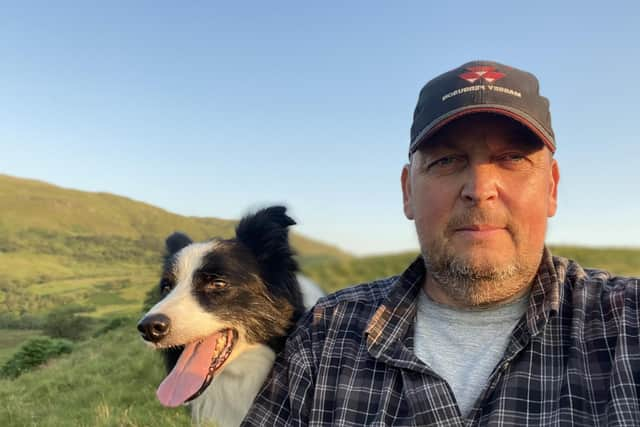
(196,367)
(479,230)
(479,227)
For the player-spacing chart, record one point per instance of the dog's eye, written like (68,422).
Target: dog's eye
(165,287)
(210,281)
(216,283)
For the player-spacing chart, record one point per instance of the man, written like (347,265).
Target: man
(486,327)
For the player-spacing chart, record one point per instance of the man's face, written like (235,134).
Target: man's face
(480,192)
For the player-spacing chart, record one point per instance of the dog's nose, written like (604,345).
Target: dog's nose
(153,328)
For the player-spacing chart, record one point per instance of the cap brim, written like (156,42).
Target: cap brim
(512,113)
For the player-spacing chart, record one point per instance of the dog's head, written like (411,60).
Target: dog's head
(221,297)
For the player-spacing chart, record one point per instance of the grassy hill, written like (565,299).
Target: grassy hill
(100,252)
(106,381)
(35,212)
(59,246)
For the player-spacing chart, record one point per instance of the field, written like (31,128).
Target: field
(106,381)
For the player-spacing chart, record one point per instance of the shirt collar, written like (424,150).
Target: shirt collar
(544,300)
(392,321)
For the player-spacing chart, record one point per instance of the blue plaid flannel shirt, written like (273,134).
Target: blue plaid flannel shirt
(573,359)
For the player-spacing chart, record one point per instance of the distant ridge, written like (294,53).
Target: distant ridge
(32,210)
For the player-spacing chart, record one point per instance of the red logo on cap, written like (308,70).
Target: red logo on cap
(484,72)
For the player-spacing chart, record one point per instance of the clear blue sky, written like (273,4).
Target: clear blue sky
(210,109)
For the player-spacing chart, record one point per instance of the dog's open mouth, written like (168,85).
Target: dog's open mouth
(196,368)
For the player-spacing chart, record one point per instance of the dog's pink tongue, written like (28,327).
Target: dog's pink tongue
(186,378)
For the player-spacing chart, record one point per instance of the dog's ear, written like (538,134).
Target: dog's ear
(177,241)
(266,234)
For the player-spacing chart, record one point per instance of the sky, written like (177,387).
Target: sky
(217,108)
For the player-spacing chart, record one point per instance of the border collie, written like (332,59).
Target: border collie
(227,307)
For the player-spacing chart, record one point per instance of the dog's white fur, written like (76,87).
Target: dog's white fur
(311,293)
(231,393)
(189,321)
(247,373)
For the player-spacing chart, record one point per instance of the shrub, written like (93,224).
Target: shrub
(34,353)
(67,323)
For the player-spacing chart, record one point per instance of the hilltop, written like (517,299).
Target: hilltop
(60,245)
(33,209)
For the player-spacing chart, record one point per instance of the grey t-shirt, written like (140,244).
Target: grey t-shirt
(464,346)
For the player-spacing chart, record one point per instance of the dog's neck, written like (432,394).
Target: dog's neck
(227,399)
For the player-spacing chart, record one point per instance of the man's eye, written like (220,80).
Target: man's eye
(515,161)
(513,157)
(446,163)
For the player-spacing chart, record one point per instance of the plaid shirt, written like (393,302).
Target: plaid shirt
(573,359)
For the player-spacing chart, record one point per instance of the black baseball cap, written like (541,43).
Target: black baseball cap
(481,87)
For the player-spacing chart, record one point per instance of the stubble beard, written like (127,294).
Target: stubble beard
(473,284)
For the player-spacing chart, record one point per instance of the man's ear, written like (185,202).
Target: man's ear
(553,189)
(405,180)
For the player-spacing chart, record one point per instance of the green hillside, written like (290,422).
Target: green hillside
(59,246)
(107,381)
(35,212)
(37,209)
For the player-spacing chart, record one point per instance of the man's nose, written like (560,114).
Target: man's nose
(481,184)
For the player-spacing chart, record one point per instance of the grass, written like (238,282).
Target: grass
(102,289)
(34,267)
(619,261)
(337,274)
(106,381)
(77,284)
